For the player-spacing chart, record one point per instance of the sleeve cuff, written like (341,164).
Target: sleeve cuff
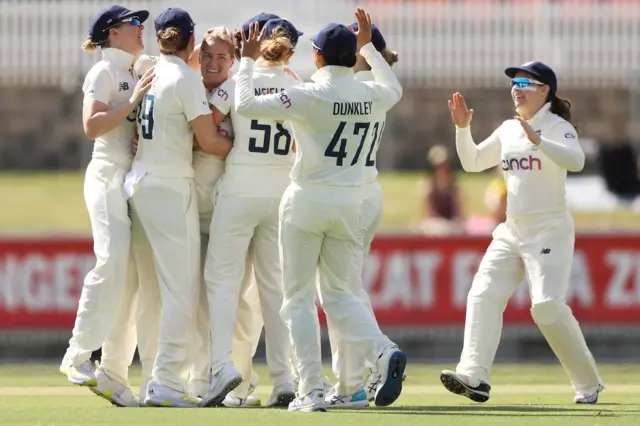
(367,50)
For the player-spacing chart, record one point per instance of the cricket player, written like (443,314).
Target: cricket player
(321,208)
(163,196)
(111,96)
(246,218)
(535,151)
(348,362)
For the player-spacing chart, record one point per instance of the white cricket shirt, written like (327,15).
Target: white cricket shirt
(111,82)
(371,187)
(165,137)
(332,121)
(261,158)
(535,176)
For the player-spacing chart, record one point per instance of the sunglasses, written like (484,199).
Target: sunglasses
(524,83)
(134,20)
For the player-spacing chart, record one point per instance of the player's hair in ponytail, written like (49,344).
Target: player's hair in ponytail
(89,45)
(238,47)
(346,59)
(221,34)
(274,49)
(172,41)
(390,56)
(562,107)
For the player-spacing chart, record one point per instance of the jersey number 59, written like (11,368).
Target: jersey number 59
(338,146)
(146,116)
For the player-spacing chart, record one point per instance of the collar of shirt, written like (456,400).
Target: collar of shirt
(118,57)
(540,115)
(331,72)
(261,63)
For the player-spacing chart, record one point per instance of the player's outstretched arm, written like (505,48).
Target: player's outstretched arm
(97,119)
(474,158)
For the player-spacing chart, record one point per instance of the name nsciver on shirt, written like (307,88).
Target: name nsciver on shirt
(267,90)
(529,163)
(352,108)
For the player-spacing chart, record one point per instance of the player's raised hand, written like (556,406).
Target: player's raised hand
(364,27)
(460,114)
(142,86)
(533,137)
(251,45)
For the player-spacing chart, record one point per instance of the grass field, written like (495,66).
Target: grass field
(53,203)
(522,395)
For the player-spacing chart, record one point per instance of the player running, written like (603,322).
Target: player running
(348,362)
(111,96)
(246,218)
(320,209)
(164,197)
(535,151)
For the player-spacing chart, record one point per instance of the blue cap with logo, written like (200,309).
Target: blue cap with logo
(261,19)
(376,37)
(111,16)
(176,18)
(335,40)
(542,72)
(292,32)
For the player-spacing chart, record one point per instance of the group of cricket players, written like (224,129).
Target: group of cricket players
(224,204)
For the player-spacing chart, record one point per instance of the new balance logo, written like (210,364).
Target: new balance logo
(545,251)
(123,86)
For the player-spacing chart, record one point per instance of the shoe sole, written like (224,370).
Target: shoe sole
(218,400)
(88,383)
(453,385)
(112,401)
(351,405)
(390,390)
(283,400)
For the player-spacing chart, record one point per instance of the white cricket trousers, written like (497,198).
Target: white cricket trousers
(317,235)
(104,286)
(241,226)
(348,361)
(539,249)
(168,212)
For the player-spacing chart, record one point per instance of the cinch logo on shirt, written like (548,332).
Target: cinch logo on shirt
(522,163)
(222,93)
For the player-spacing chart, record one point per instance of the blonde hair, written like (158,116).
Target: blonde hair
(221,34)
(171,41)
(391,57)
(274,49)
(89,45)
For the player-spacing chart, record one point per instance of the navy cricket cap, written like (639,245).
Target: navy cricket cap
(335,40)
(261,19)
(109,17)
(292,32)
(177,18)
(376,37)
(542,72)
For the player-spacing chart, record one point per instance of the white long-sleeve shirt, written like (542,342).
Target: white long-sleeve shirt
(332,121)
(535,176)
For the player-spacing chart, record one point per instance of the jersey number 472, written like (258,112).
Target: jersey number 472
(337,146)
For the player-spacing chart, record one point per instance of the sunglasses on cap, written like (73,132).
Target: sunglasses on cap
(524,83)
(133,20)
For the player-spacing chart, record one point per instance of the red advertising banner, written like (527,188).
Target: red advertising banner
(412,280)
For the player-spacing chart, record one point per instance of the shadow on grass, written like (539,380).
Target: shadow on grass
(497,410)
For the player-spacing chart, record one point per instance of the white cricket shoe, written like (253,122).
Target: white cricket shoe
(113,391)
(143,393)
(231,401)
(357,399)
(461,384)
(163,396)
(390,365)
(582,398)
(281,396)
(226,380)
(81,374)
(309,403)
(372,381)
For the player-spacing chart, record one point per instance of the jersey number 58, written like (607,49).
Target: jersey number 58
(265,146)
(338,146)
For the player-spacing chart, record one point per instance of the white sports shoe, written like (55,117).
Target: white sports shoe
(357,399)
(235,402)
(390,364)
(226,380)
(143,393)
(81,374)
(281,396)
(113,391)
(461,384)
(581,398)
(309,403)
(163,396)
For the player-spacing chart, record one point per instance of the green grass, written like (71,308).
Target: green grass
(38,395)
(53,203)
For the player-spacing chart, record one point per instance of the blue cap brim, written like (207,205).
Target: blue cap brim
(511,71)
(142,15)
